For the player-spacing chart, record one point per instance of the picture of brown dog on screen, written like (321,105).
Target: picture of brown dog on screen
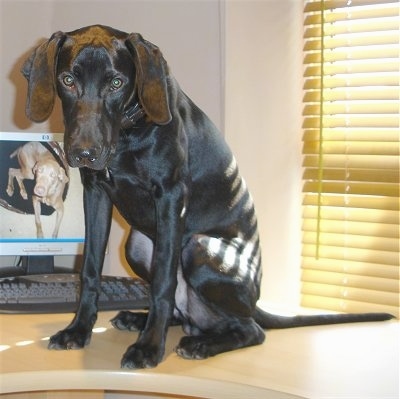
(41,178)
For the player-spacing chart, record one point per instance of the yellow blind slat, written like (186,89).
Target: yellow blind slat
(341,213)
(357,13)
(331,82)
(348,188)
(354,254)
(352,228)
(349,280)
(366,121)
(388,38)
(356,53)
(360,175)
(354,162)
(351,202)
(351,293)
(338,94)
(355,107)
(352,241)
(351,267)
(373,26)
(355,134)
(355,202)
(351,147)
(315,6)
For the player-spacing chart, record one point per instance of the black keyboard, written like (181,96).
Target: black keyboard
(58,293)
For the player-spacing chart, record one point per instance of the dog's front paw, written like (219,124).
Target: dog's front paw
(69,339)
(10,191)
(140,357)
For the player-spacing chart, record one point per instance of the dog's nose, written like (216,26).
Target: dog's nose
(39,190)
(91,157)
(86,155)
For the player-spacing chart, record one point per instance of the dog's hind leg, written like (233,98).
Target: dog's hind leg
(134,321)
(223,290)
(139,252)
(26,162)
(241,334)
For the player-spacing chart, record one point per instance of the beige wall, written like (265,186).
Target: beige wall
(239,60)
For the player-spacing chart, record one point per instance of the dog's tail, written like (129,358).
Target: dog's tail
(270,321)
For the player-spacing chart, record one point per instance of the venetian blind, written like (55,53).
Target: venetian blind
(350,259)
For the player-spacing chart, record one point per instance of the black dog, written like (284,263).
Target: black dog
(142,145)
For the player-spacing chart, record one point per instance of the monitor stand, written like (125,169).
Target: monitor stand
(41,264)
(38,264)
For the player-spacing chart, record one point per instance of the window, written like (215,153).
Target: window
(351,146)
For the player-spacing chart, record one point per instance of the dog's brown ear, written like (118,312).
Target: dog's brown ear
(151,78)
(39,70)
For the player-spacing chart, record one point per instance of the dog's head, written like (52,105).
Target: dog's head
(50,178)
(98,72)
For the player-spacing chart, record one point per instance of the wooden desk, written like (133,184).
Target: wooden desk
(342,361)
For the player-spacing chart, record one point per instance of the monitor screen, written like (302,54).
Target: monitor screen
(41,210)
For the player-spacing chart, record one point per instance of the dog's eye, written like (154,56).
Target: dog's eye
(116,83)
(68,80)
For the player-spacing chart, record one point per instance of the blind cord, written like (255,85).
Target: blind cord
(321,132)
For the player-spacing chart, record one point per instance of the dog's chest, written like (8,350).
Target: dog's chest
(133,200)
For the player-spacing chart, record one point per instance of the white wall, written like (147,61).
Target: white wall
(176,26)
(263,85)
(245,52)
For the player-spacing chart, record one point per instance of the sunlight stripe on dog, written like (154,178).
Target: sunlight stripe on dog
(232,168)
(237,256)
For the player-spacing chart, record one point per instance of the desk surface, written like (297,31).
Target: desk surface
(340,361)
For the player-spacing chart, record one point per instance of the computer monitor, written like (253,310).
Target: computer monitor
(41,212)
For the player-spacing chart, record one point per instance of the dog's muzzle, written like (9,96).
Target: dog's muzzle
(93,158)
(40,190)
